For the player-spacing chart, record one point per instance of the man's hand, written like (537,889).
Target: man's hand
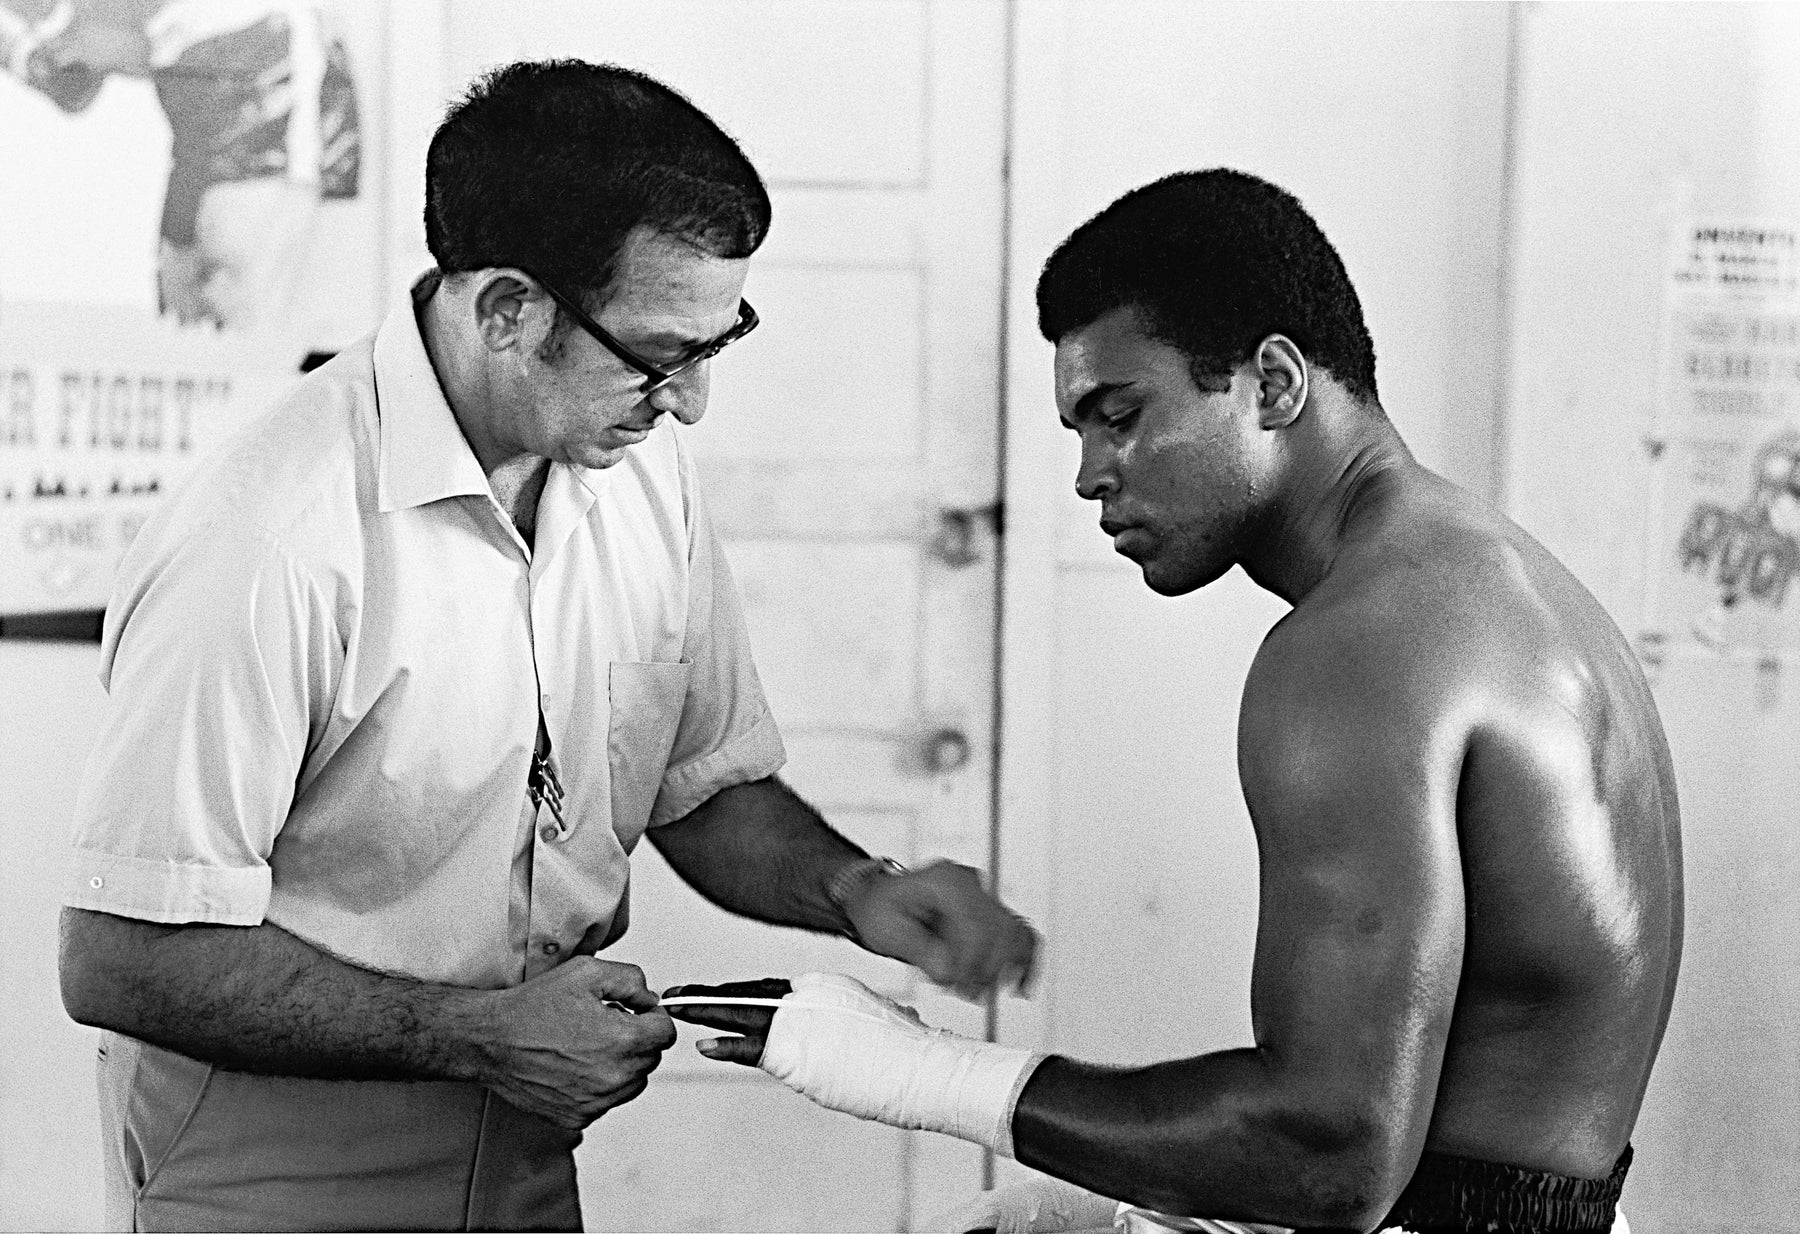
(941,920)
(567,1046)
(756,849)
(577,1041)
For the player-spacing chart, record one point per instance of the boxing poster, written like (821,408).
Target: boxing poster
(92,438)
(1726,534)
(185,217)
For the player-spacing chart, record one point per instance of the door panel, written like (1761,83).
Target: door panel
(835,627)
(834,372)
(820,92)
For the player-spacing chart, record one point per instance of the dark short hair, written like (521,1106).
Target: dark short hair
(1215,261)
(548,165)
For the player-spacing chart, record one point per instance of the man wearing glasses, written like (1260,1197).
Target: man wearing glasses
(401,678)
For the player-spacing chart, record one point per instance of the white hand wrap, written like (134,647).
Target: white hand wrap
(842,1045)
(1037,1205)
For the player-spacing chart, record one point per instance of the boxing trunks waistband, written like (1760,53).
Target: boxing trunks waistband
(1461,1195)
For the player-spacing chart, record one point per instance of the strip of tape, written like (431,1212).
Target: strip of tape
(710,1000)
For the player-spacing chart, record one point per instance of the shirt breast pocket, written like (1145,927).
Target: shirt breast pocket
(645,702)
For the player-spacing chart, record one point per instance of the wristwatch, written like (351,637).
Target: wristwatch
(849,880)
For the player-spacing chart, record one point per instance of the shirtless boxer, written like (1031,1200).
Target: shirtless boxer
(1465,810)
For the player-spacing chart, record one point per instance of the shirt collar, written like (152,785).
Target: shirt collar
(424,455)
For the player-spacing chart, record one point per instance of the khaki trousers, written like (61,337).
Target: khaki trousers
(190,1146)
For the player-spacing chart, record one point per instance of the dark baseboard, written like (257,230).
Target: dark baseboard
(79,626)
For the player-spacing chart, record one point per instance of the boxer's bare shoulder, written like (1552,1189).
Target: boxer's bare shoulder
(1467,707)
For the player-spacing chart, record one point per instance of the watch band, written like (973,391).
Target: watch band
(849,880)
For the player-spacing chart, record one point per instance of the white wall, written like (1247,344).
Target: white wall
(50,706)
(1632,119)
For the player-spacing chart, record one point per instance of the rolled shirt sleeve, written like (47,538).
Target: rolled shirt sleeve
(726,735)
(216,651)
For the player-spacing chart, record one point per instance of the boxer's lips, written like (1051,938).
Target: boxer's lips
(1126,536)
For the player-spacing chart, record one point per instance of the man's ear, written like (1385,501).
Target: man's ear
(1283,378)
(508,307)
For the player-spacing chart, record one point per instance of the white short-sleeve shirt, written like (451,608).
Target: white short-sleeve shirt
(327,655)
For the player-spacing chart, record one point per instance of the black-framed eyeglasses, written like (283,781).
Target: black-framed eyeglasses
(656,376)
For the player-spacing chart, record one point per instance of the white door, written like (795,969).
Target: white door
(850,459)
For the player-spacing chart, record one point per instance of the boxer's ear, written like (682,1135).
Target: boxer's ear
(1283,377)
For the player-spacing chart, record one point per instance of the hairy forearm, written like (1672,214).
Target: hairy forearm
(1221,1135)
(758,850)
(258,999)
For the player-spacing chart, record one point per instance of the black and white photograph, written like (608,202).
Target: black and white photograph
(956,616)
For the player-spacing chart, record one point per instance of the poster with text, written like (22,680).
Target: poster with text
(1727,539)
(187,214)
(91,439)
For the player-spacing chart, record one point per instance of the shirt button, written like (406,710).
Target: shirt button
(552,948)
(548,834)
(96,882)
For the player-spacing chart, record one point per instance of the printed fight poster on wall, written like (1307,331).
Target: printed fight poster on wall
(92,438)
(1726,568)
(185,216)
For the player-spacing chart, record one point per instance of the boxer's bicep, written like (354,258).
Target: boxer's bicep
(1360,925)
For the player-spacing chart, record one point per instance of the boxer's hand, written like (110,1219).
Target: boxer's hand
(751,1023)
(566,1052)
(941,920)
(841,1045)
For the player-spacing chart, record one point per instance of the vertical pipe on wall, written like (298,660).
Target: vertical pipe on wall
(1035,220)
(1002,355)
(1500,454)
